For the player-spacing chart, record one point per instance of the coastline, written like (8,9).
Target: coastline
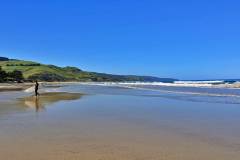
(4,87)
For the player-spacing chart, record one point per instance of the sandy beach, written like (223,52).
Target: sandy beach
(14,86)
(95,125)
(22,86)
(119,80)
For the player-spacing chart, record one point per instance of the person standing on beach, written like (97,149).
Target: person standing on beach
(36,88)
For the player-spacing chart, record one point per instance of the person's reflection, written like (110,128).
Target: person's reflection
(34,103)
(39,103)
(37,106)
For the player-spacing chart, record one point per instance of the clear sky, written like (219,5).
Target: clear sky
(186,39)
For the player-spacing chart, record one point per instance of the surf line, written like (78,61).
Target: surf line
(179,92)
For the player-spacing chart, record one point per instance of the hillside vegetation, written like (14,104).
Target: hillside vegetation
(42,72)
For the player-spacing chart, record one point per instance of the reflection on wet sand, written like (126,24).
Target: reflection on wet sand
(117,127)
(45,99)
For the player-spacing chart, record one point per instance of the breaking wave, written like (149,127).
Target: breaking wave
(198,88)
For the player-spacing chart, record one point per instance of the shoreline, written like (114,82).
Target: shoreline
(5,87)
(12,86)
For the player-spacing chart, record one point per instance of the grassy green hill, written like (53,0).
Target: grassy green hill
(33,70)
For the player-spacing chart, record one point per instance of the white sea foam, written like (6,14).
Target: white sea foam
(29,90)
(122,84)
(197,84)
(175,84)
(146,86)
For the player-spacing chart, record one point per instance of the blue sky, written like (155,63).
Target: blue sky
(184,39)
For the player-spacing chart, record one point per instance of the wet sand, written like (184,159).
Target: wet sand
(22,86)
(46,99)
(115,127)
(14,86)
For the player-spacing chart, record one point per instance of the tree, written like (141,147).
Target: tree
(16,76)
(3,75)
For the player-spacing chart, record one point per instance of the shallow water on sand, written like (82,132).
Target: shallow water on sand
(116,124)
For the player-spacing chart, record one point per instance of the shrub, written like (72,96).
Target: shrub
(16,76)
(3,75)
